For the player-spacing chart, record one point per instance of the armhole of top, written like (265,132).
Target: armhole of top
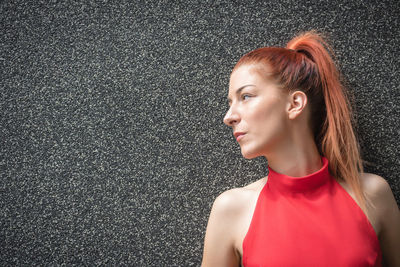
(251,222)
(368,222)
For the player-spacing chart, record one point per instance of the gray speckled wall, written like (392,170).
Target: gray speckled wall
(112,141)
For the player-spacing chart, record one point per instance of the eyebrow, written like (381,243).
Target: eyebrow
(240,90)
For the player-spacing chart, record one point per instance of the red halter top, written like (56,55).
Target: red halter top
(309,221)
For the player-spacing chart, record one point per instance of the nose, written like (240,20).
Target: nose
(231,117)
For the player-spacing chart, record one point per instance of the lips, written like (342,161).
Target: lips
(238,135)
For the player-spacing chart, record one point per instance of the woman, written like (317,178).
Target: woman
(316,207)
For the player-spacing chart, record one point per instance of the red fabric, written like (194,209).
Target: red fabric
(309,221)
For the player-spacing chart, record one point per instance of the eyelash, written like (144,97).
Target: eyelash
(244,96)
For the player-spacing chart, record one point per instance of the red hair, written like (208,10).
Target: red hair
(306,64)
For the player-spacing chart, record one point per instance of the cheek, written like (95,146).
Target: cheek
(269,114)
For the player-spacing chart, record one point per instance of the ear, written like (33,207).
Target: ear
(296,104)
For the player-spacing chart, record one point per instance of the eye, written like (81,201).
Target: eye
(245,96)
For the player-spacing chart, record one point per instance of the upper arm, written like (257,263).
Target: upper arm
(388,215)
(219,247)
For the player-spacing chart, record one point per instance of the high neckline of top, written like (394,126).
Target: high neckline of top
(290,184)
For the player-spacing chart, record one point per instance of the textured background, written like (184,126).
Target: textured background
(112,141)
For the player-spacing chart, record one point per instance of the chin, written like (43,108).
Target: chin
(247,154)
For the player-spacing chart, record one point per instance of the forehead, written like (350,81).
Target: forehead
(254,74)
(246,74)
(259,77)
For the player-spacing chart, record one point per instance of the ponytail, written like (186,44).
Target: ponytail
(338,142)
(306,64)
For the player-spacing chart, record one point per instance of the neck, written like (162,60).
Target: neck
(297,156)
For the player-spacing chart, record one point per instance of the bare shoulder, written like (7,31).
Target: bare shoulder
(378,192)
(374,183)
(387,213)
(224,225)
(379,196)
(232,201)
(376,187)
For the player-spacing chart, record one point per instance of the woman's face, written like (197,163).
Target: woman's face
(257,112)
